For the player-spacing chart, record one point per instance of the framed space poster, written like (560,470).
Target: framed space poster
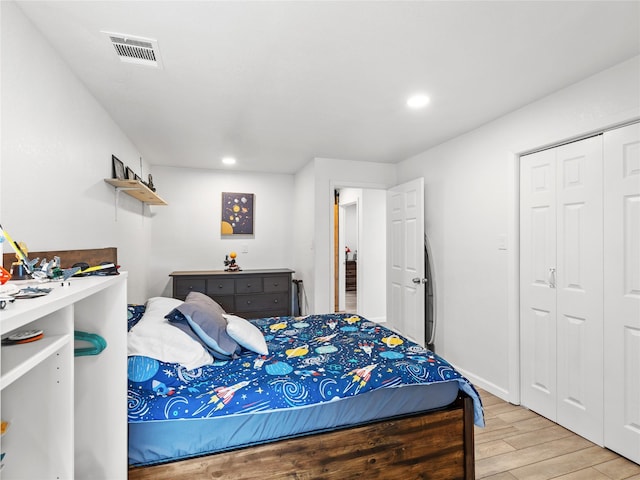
(237,214)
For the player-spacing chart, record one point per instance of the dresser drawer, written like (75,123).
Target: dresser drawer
(249,285)
(183,286)
(265,314)
(220,286)
(268,301)
(225,301)
(276,284)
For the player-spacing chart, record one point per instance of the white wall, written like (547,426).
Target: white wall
(470,192)
(186,233)
(57,143)
(372,268)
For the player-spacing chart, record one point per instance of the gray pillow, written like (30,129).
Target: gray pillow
(201,318)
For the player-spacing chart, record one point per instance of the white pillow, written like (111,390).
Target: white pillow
(153,336)
(246,334)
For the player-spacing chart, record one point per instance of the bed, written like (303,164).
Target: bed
(320,396)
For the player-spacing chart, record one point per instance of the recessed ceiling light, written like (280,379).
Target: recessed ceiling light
(229,161)
(418,101)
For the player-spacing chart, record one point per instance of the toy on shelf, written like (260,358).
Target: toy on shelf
(230,263)
(149,184)
(23,336)
(21,257)
(6,290)
(4,276)
(5,426)
(18,271)
(25,268)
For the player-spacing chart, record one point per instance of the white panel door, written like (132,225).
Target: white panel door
(405,259)
(537,282)
(622,290)
(342,266)
(579,288)
(561,285)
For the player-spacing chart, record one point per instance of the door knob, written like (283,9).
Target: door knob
(419,280)
(552,277)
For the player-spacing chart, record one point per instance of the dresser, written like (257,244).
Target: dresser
(247,293)
(351,276)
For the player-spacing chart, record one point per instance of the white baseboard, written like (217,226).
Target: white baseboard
(485,385)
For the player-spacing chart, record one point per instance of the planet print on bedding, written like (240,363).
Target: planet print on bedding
(312,359)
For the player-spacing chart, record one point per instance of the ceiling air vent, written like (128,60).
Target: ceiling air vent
(132,49)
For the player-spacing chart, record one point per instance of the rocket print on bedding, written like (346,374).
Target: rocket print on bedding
(313,359)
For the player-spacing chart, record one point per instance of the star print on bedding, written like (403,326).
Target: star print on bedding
(313,359)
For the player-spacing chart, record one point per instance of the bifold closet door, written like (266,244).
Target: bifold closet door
(622,290)
(537,282)
(561,285)
(579,288)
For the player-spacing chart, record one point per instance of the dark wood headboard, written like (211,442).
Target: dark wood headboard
(92,256)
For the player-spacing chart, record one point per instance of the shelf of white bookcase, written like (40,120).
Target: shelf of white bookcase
(17,360)
(137,190)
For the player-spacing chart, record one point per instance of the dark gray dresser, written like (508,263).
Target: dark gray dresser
(247,293)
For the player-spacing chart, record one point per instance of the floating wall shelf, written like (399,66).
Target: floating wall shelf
(137,190)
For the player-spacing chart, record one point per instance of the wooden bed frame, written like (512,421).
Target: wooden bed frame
(432,445)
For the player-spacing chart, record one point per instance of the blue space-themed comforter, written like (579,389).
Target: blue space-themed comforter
(313,359)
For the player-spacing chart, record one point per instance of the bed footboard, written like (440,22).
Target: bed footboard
(433,445)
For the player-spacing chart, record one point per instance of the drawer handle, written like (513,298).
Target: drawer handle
(219,286)
(275,301)
(248,302)
(275,284)
(248,285)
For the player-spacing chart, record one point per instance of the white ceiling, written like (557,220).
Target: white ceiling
(276,84)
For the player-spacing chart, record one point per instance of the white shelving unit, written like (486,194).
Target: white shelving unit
(67,415)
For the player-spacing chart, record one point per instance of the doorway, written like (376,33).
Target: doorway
(346,235)
(359,253)
(351,257)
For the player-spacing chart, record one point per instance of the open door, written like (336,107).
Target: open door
(340,255)
(336,254)
(405,260)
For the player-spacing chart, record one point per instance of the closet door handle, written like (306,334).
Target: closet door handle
(552,277)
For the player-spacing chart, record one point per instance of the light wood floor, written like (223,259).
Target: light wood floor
(351,302)
(519,444)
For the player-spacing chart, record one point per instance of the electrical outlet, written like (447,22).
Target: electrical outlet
(502,242)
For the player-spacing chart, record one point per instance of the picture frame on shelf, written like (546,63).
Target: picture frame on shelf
(137,178)
(118,170)
(131,175)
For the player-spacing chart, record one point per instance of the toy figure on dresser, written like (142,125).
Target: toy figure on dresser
(231,265)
